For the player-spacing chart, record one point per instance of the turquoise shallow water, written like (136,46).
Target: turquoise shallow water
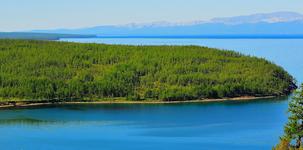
(249,125)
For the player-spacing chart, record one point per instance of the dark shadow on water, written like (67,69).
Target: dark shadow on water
(24,121)
(38,122)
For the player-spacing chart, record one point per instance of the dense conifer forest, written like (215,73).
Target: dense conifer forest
(45,70)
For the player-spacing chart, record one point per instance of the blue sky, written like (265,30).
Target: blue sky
(18,15)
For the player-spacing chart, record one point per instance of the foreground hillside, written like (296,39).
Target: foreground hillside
(41,70)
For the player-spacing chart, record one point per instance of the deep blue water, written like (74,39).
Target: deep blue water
(228,125)
(249,125)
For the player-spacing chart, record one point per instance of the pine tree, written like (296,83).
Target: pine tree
(294,127)
(293,137)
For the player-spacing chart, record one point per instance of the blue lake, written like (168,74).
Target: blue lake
(248,125)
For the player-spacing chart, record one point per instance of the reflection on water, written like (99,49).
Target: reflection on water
(39,122)
(22,121)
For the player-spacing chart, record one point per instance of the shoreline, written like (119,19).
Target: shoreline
(24,104)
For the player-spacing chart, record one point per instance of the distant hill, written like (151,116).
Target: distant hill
(278,23)
(39,36)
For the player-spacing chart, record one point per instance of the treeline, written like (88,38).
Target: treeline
(60,70)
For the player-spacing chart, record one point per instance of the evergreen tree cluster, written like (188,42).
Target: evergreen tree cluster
(293,138)
(39,70)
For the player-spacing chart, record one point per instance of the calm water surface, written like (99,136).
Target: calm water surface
(228,125)
(254,125)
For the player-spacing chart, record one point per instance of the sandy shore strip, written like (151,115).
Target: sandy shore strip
(33,103)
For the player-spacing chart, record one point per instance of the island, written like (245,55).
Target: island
(35,71)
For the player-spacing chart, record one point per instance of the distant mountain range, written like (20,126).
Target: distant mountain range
(278,23)
(277,17)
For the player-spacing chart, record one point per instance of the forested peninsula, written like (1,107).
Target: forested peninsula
(33,70)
